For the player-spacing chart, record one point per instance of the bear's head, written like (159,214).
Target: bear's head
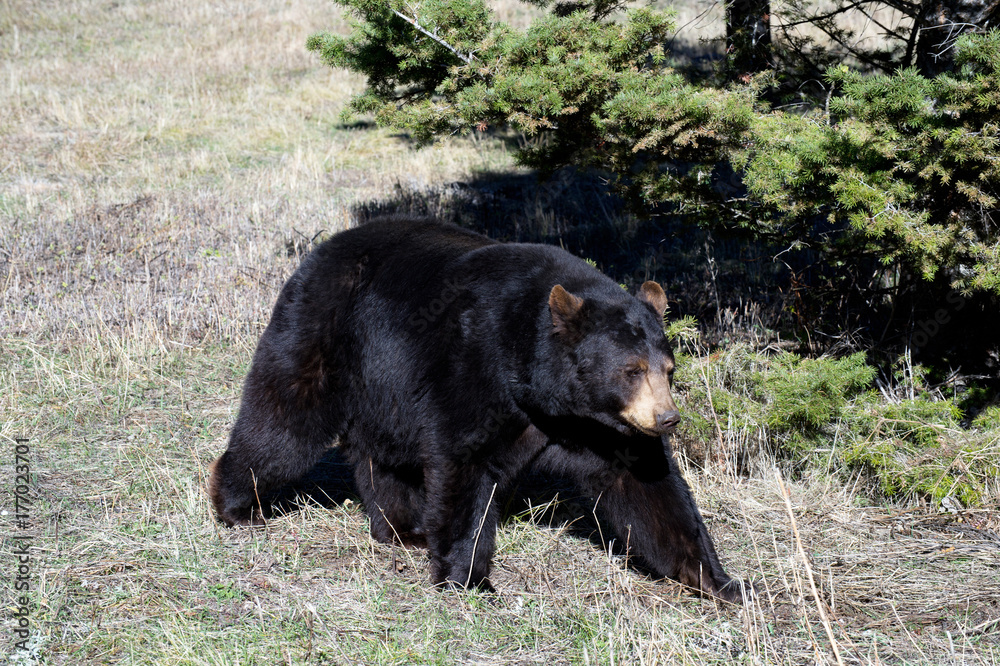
(620,364)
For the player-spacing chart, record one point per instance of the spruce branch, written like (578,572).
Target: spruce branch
(467,59)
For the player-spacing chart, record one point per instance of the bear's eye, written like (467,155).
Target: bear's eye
(634,372)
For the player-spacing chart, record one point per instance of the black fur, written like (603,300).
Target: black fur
(447,364)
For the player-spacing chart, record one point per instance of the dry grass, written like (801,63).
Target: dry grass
(163,166)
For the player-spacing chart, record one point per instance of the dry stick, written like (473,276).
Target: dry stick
(722,452)
(467,59)
(475,544)
(260,506)
(809,573)
(983,627)
(593,512)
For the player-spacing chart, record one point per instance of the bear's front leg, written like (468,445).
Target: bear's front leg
(461,516)
(659,521)
(640,491)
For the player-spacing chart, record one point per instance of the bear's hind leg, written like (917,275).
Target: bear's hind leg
(393,498)
(255,464)
(270,445)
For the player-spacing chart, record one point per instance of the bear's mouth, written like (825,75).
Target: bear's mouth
(634,427)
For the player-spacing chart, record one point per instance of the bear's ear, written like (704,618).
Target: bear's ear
(653,293)
(565,310)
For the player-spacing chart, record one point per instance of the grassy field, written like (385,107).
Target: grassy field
(163,167)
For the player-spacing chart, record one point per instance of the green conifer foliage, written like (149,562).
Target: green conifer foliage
(900,167)
(911,164)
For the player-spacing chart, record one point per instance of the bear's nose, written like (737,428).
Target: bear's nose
(667,420)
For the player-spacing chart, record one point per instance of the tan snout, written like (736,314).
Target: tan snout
(652,409)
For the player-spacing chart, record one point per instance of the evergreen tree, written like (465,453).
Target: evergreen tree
(898,169)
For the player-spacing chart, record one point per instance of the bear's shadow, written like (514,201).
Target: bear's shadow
(552,501)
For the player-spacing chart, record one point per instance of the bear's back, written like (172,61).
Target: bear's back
(405,240)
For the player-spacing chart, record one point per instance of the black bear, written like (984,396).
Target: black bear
(446,364)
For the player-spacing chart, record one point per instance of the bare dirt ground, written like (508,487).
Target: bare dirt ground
(163,167)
